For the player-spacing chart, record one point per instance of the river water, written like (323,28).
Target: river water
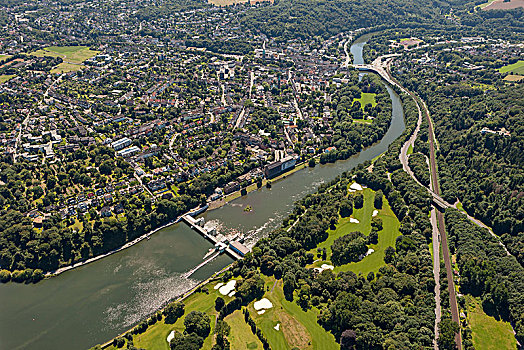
(93,303)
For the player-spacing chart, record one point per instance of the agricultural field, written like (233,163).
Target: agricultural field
(4,78)
(386,237)
(70,54)
(513,78)
(515,68)
(488,333)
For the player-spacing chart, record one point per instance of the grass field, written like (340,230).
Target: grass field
(386,237)
(365,98)
(65,67)
(298,328)
(487,332)
(516,68)
(70,54)
(3,57)
(4,78)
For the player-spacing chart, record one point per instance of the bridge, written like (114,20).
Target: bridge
(192,222)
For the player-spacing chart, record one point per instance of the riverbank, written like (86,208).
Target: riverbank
(57,272)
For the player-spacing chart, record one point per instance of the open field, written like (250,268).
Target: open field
(233,2)
(386,237)
(66,68)
(513,78)
(501,5)
(365,98)
(516,68)
(4,78)
(487,332)
(298,328)
(3,57)
(70,54)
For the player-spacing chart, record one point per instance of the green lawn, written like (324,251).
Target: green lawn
(298,328)
(365,98)
(4,78)
(386,237)
(241,336)
(517,68)
(65,67)
(70,54)
(410,149)
(487,332)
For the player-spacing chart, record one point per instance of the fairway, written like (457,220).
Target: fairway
(386,237)
(487,332)
(241,336)
(298,328)
(516,68)
(70,54)
(365,98)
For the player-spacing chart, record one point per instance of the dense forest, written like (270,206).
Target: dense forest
(487,271)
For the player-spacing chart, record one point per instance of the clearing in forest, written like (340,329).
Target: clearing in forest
(366,98)
(487,332)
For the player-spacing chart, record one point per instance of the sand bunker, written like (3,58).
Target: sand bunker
(355,186)
(231,294)
(228,287)
(261,312)
(370,251)
(263,304)
(219,285)
(375,213)
(277,327)
(353,220)
(170,336)
(324,267)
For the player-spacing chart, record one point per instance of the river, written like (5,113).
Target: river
(93,303)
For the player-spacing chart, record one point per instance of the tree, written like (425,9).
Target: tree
(173,312)
(359,200)
(346,208)
(219,303)
(312,163)
(348,340)
(447,329)
(289,285)
(198,322)
(379,196)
